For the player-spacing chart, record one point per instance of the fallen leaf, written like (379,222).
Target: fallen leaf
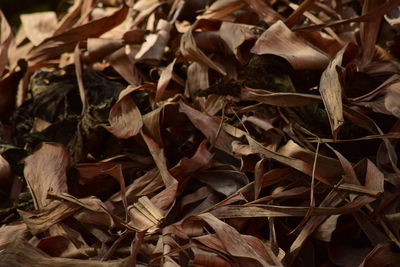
(39,26)
(330,88)
(279,40)
(125,118)
(45,171)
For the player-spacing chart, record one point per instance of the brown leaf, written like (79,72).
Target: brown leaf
(66,42)
(330,88)
(5,170)
(370,16)
(10,232)
(279,40)
(145,185)
(165,198)
(296,15)
(205,258)
(232,180)
(259,210)
(145,217)
(209,127)
(99,48)
(221,9)
(152,50)
(382,254)
(328,170)
(6,38)
(166,78)
(125,118)
(21,253)
(42,219)
(235,35)
(325,230)
(279,99)
(191,51)
(391,100)
(122,61)
(369,31)
(45,171)
(234,243)
(160,160)
(187,167)
(264,11)
(197,79)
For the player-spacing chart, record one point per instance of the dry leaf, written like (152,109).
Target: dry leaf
(125,118)
(279,40)
(6,38)
(330,88)
(39,26)
(45,171)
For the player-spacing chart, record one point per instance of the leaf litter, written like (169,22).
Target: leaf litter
(201,133)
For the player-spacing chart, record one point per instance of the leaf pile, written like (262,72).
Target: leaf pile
(201,133)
